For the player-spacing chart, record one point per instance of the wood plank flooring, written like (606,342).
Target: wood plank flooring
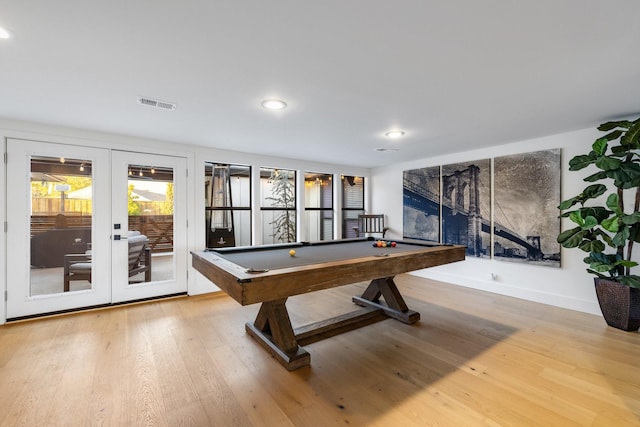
(475,359)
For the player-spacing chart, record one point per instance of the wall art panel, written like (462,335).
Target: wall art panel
(526,199)
(466,206)
(421,203)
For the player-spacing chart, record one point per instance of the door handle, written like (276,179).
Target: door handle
(119,237)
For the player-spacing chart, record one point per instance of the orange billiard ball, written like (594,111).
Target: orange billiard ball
(292,252)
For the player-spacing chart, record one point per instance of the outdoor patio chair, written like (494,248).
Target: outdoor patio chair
(78,266)
(370,224)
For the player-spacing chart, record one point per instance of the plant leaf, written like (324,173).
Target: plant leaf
(612,203)
(627,175)
(571,238)
(600,267)
(594,190)
(580,162)
(590,192)
(619,150)
(613,135)
(566,204)
(611,224)
(600,146)
(595,177)
(601,262)
(632,136)
(577,218)
(589,223)
(600,257)
(634,218)
(597,212)
(626,263)
(612,125)
(621,237)
(600,275)
(630,280)
(608,240)
(592,246)
(608,163)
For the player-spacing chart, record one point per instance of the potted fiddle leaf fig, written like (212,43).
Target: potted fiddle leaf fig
(607,220)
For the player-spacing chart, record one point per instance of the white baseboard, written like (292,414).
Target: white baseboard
(586,306)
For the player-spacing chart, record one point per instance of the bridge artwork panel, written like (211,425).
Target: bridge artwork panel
(421,204)
(526,199)
(466,204)
(524,223)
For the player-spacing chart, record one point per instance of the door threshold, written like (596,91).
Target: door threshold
(93,308)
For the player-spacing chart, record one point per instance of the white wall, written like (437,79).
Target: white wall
(569,286)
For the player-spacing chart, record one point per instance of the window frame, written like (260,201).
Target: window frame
(329,179)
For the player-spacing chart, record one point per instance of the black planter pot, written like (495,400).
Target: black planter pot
(620,304)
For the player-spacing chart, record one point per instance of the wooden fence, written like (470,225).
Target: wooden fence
(157,228)
(53,206)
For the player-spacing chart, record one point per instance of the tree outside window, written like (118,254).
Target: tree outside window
(278,195)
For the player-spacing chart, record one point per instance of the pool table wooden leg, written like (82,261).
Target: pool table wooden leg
(272,329)
(395,306)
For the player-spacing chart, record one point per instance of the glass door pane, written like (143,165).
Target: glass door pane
(149,227)
(150,217)
(60,224)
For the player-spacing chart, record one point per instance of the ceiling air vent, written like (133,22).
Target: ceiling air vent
(156,103)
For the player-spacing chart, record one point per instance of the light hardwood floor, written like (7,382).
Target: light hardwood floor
(474,359)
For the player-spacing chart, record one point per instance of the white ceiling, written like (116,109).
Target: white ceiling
(454,75)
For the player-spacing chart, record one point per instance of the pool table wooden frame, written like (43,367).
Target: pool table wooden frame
(272,327)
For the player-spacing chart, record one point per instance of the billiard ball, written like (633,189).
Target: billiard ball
(393,244)
(292,252)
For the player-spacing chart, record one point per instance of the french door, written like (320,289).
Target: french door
(75,218)
(148,207)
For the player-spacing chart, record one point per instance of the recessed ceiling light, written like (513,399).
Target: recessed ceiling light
(4,34)
(394,134)
(274,104)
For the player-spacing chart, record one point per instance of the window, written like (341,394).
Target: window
(228,205)
(352,203)
(318,206)
(278,205)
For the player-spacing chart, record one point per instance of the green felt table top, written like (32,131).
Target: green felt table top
(277,256)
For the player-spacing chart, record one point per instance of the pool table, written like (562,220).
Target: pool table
(271,274)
